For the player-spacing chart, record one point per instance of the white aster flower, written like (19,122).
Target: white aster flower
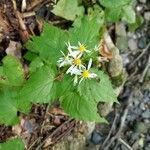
(82,48)
(63,61)
(71,49)
(86,73)
(76,65)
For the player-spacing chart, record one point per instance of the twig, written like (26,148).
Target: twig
(111,130)
(53,133)
(14,4)
(123,142)
(34,143)
(28,14)
(23,30)
(34,4)
(145,70)
(47,109)
(121,124)
(141,55)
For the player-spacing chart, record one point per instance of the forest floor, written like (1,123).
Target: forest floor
(129,122)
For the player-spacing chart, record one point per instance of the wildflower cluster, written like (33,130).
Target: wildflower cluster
(74,59)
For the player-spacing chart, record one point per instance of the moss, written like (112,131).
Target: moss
(120,79)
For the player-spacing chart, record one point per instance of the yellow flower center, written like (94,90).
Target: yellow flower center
(77,61)
(82,48)
(86,74)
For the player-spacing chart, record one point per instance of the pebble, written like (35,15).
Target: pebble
(96,138)
(139,8)
(132,43)
(146,114)
(142,1)
(142,42)
(142,106)
(140,127)
(134,136)
(147,15)
(123,147)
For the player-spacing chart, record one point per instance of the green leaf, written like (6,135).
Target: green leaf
(114,3)
(38,86)
(3,78)
(80,108)
(35,64)
(87,33)
(62,86)
(13,70)
(139,21)
(128,14)
(68,9)
(99,89)
(49,44)
(12,144)
(30,56)
(113,14)
(8,107)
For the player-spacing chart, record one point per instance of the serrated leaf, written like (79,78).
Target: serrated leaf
(128,14)
(99,89)
(62,86)
(8,108)
(30,56)
(114,3)
(12,144)
(113,14)
(80,108)
(13,70)
(139,21)
(68,9)
(3,78)
(35,64)
(49,44)
(38,86)
(87,33)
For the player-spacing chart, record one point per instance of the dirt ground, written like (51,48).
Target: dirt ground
(129,127)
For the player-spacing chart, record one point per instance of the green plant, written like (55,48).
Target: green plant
(63,64)
(11,144)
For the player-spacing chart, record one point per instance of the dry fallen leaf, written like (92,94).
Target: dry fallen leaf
(104,51)
(57,111)
(14,49)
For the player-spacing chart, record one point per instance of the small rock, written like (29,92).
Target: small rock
(142,106)
(139,8)
(132,43)
(142,42)
(136,102)
(140,127)
(147,15)
(146,114)
(126,59)
(135,136)
(142,1)
(123,147)
(96,138)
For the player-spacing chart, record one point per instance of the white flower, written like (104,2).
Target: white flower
(82,48)
(86,73)
(76,65)
(71,49)
(63,61)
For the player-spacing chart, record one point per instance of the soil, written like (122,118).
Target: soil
(129,121)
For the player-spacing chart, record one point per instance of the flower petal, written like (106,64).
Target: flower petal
(89,64)
(93,75)
(70,69)
(75,80)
